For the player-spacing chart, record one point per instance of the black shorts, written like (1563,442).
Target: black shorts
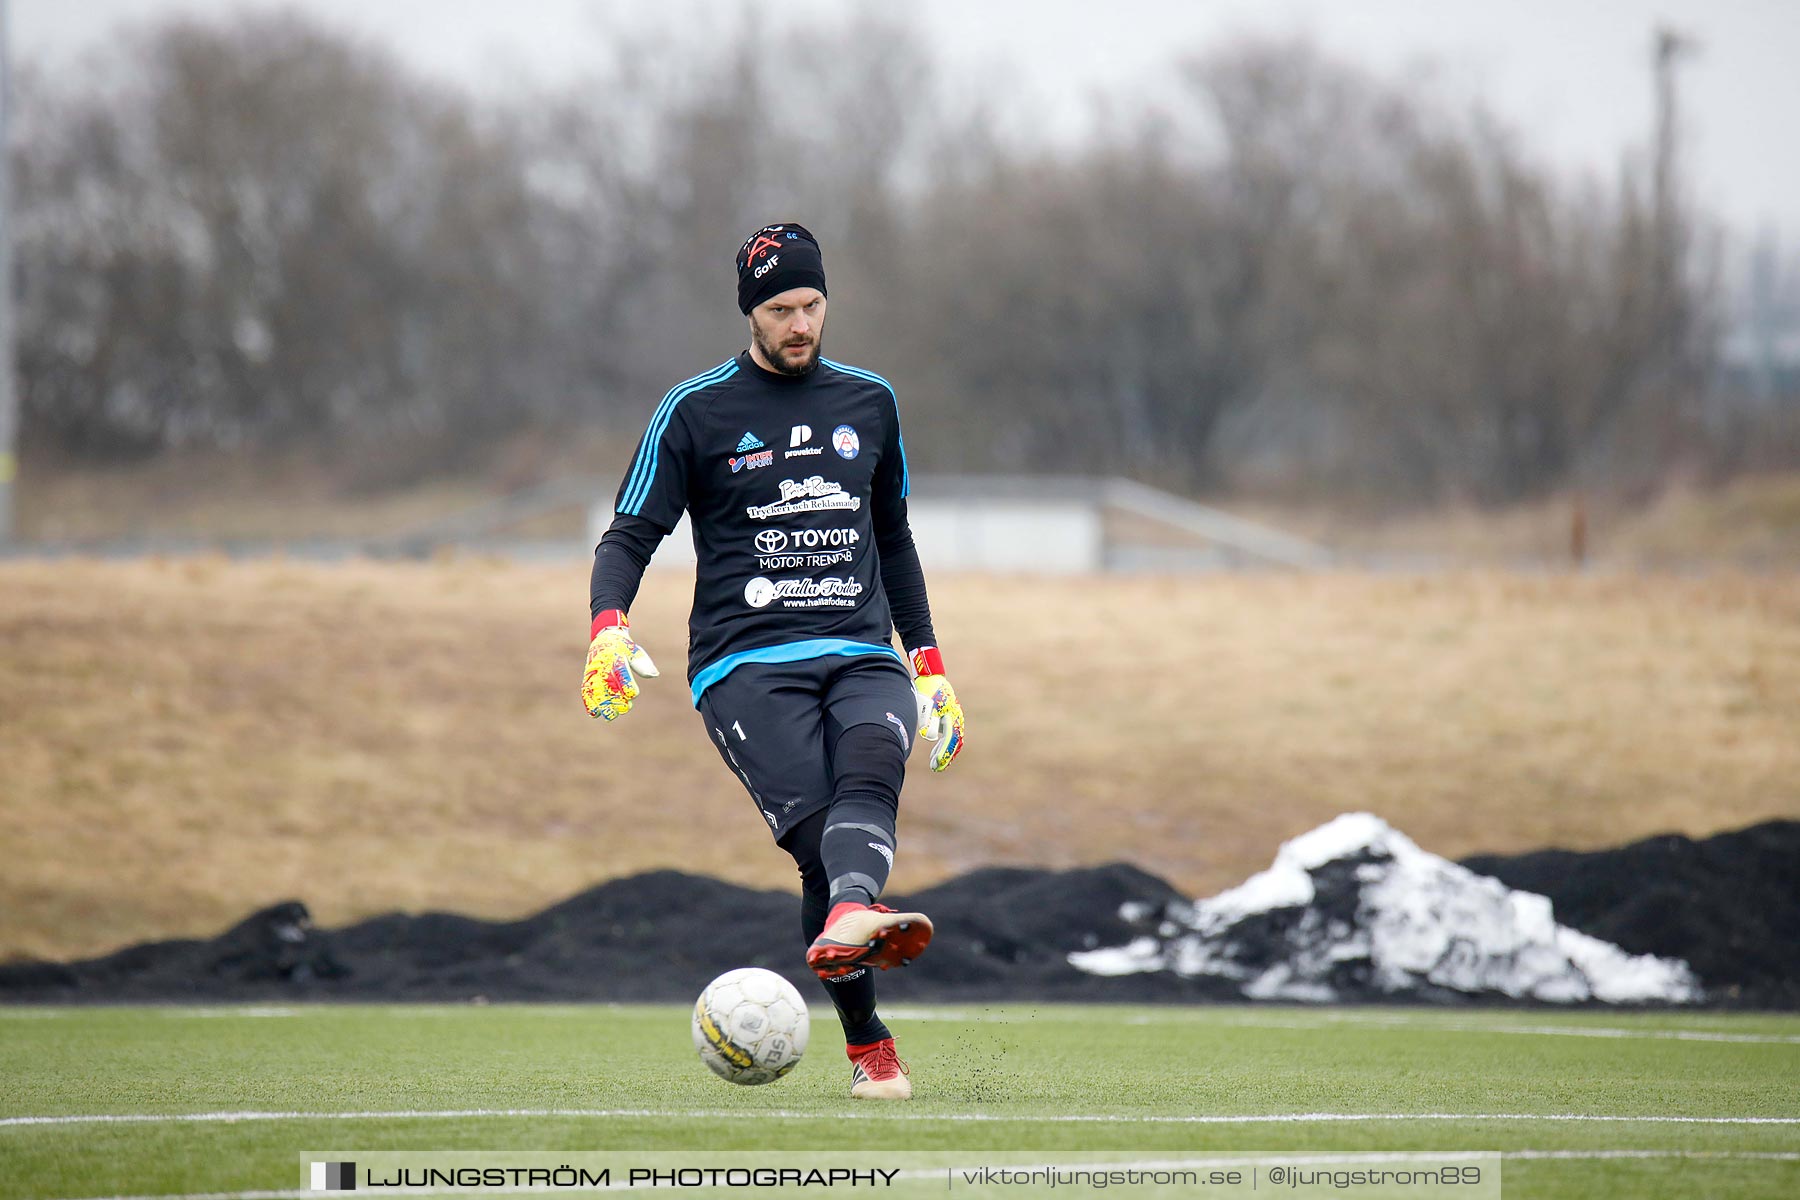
(776,725)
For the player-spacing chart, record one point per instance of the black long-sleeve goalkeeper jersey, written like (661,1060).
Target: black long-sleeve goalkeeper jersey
(797,491)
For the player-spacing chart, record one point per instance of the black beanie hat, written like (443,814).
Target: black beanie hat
(776,258)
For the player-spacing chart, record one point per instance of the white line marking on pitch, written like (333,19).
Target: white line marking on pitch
(1423,1023)
(1426,1025)
(1370,1157)
(1594,1031)
(231,1012)
(1752,1155)
(792,1115)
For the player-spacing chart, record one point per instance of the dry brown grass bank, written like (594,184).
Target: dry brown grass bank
(183,740)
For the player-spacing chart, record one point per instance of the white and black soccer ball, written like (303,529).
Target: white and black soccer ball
(750,1026)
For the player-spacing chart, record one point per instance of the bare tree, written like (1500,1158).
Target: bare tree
(255,231)
(265,231)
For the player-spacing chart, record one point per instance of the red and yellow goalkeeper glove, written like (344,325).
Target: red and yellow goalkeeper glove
(940,716)
(614,662)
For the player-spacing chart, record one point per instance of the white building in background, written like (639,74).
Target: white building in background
(975,523)
(1056,525)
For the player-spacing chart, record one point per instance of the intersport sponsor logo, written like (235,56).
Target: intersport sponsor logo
(761,458)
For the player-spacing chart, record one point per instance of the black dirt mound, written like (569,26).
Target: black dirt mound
(1005,933)
(654,937)
(1728,904)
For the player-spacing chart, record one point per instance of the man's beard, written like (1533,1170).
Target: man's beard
(771,353)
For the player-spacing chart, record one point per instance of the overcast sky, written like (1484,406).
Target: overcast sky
(1572,75)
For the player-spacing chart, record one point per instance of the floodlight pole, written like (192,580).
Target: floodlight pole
(1669,47)
(9,399)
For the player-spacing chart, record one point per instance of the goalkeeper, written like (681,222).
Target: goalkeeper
(793,471)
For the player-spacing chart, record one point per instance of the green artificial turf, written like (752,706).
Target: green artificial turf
(1049,1079)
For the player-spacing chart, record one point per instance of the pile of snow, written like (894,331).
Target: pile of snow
(1354,909)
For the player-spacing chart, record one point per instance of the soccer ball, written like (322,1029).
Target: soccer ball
(750,1026)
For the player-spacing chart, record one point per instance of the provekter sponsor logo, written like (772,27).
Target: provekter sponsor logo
(798,436)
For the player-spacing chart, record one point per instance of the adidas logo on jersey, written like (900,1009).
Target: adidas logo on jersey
(749,442)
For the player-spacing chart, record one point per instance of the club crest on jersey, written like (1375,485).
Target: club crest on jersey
(749,462)
(845,441)
(749,442)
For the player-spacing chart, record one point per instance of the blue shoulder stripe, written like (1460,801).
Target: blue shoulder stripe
(860,373)
(864,372)
(643,469)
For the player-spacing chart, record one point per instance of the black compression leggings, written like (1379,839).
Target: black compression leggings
(868,766)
